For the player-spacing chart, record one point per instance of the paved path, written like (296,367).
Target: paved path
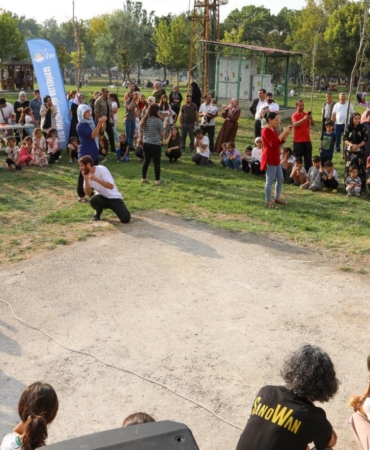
(209,313)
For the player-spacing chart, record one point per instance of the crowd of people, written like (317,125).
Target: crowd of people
(164,120)
(282,417)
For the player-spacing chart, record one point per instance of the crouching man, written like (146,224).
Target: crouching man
(107,195)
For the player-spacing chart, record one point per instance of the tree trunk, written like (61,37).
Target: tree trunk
(164,72)
(110,75)
(138,73)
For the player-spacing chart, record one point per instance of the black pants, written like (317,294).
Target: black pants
(200,160)
(330,184)
(9,161)
(187,128)
(139,152)
(245,166)
(152,151)
(303,150)
(323,159)
(255,166)
(110,133)
(210,132)
(80,182)
(174,155)
(99,203)
(257,128)
(52,157)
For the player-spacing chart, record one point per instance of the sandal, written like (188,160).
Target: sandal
(271,205)
(83,200)
(280,201)
(144,181)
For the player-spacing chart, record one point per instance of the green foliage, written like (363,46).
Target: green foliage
(343,34)
(11,38)
(172,36)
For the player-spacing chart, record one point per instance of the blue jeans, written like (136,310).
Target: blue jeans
(120,154)
(339,130)
(234,164)
(273,173)
(130,131)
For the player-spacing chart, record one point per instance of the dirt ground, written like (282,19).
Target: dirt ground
(211,314)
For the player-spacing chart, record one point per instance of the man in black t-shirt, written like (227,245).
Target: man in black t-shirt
(285,418)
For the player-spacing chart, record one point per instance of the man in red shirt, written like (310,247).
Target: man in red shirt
(302,145)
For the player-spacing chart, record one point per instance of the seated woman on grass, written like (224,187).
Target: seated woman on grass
(173,142)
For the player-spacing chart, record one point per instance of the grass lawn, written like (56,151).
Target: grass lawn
(38,207)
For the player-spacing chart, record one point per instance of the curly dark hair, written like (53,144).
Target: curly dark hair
(309,372)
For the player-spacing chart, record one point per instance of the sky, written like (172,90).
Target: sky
(61,10)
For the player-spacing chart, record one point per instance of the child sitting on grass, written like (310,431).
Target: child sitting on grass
(24,152)
(353,182)
(233,158)
(73,149)
(123,149)
(247,159)
(327,143)
(287,161)
(223,153)
(330,177)
(53,144)
(313,182)
(39,157)
(12,151)
(299,174)
(256,156)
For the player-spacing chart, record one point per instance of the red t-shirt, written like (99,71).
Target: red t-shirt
(270,148)
(302,132)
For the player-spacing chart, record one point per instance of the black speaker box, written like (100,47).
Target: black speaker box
(165,435)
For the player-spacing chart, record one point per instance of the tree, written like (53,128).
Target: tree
(64,57)
(343,35)
(255,21)
(172,36)
(11,38)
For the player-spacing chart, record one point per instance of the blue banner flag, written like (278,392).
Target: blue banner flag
(50,81)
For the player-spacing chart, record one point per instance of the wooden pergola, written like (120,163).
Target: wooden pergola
(16,75)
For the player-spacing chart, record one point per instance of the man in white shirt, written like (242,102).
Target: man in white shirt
(108,197)
(338,116)
(271,106)
(208,112)
(201,143)
(255,109)
(6,111)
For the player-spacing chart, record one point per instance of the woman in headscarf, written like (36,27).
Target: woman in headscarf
(355,137)
(77,101)
(47,114)
(231,114)
(19,105)
(158,91)
(88,132)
